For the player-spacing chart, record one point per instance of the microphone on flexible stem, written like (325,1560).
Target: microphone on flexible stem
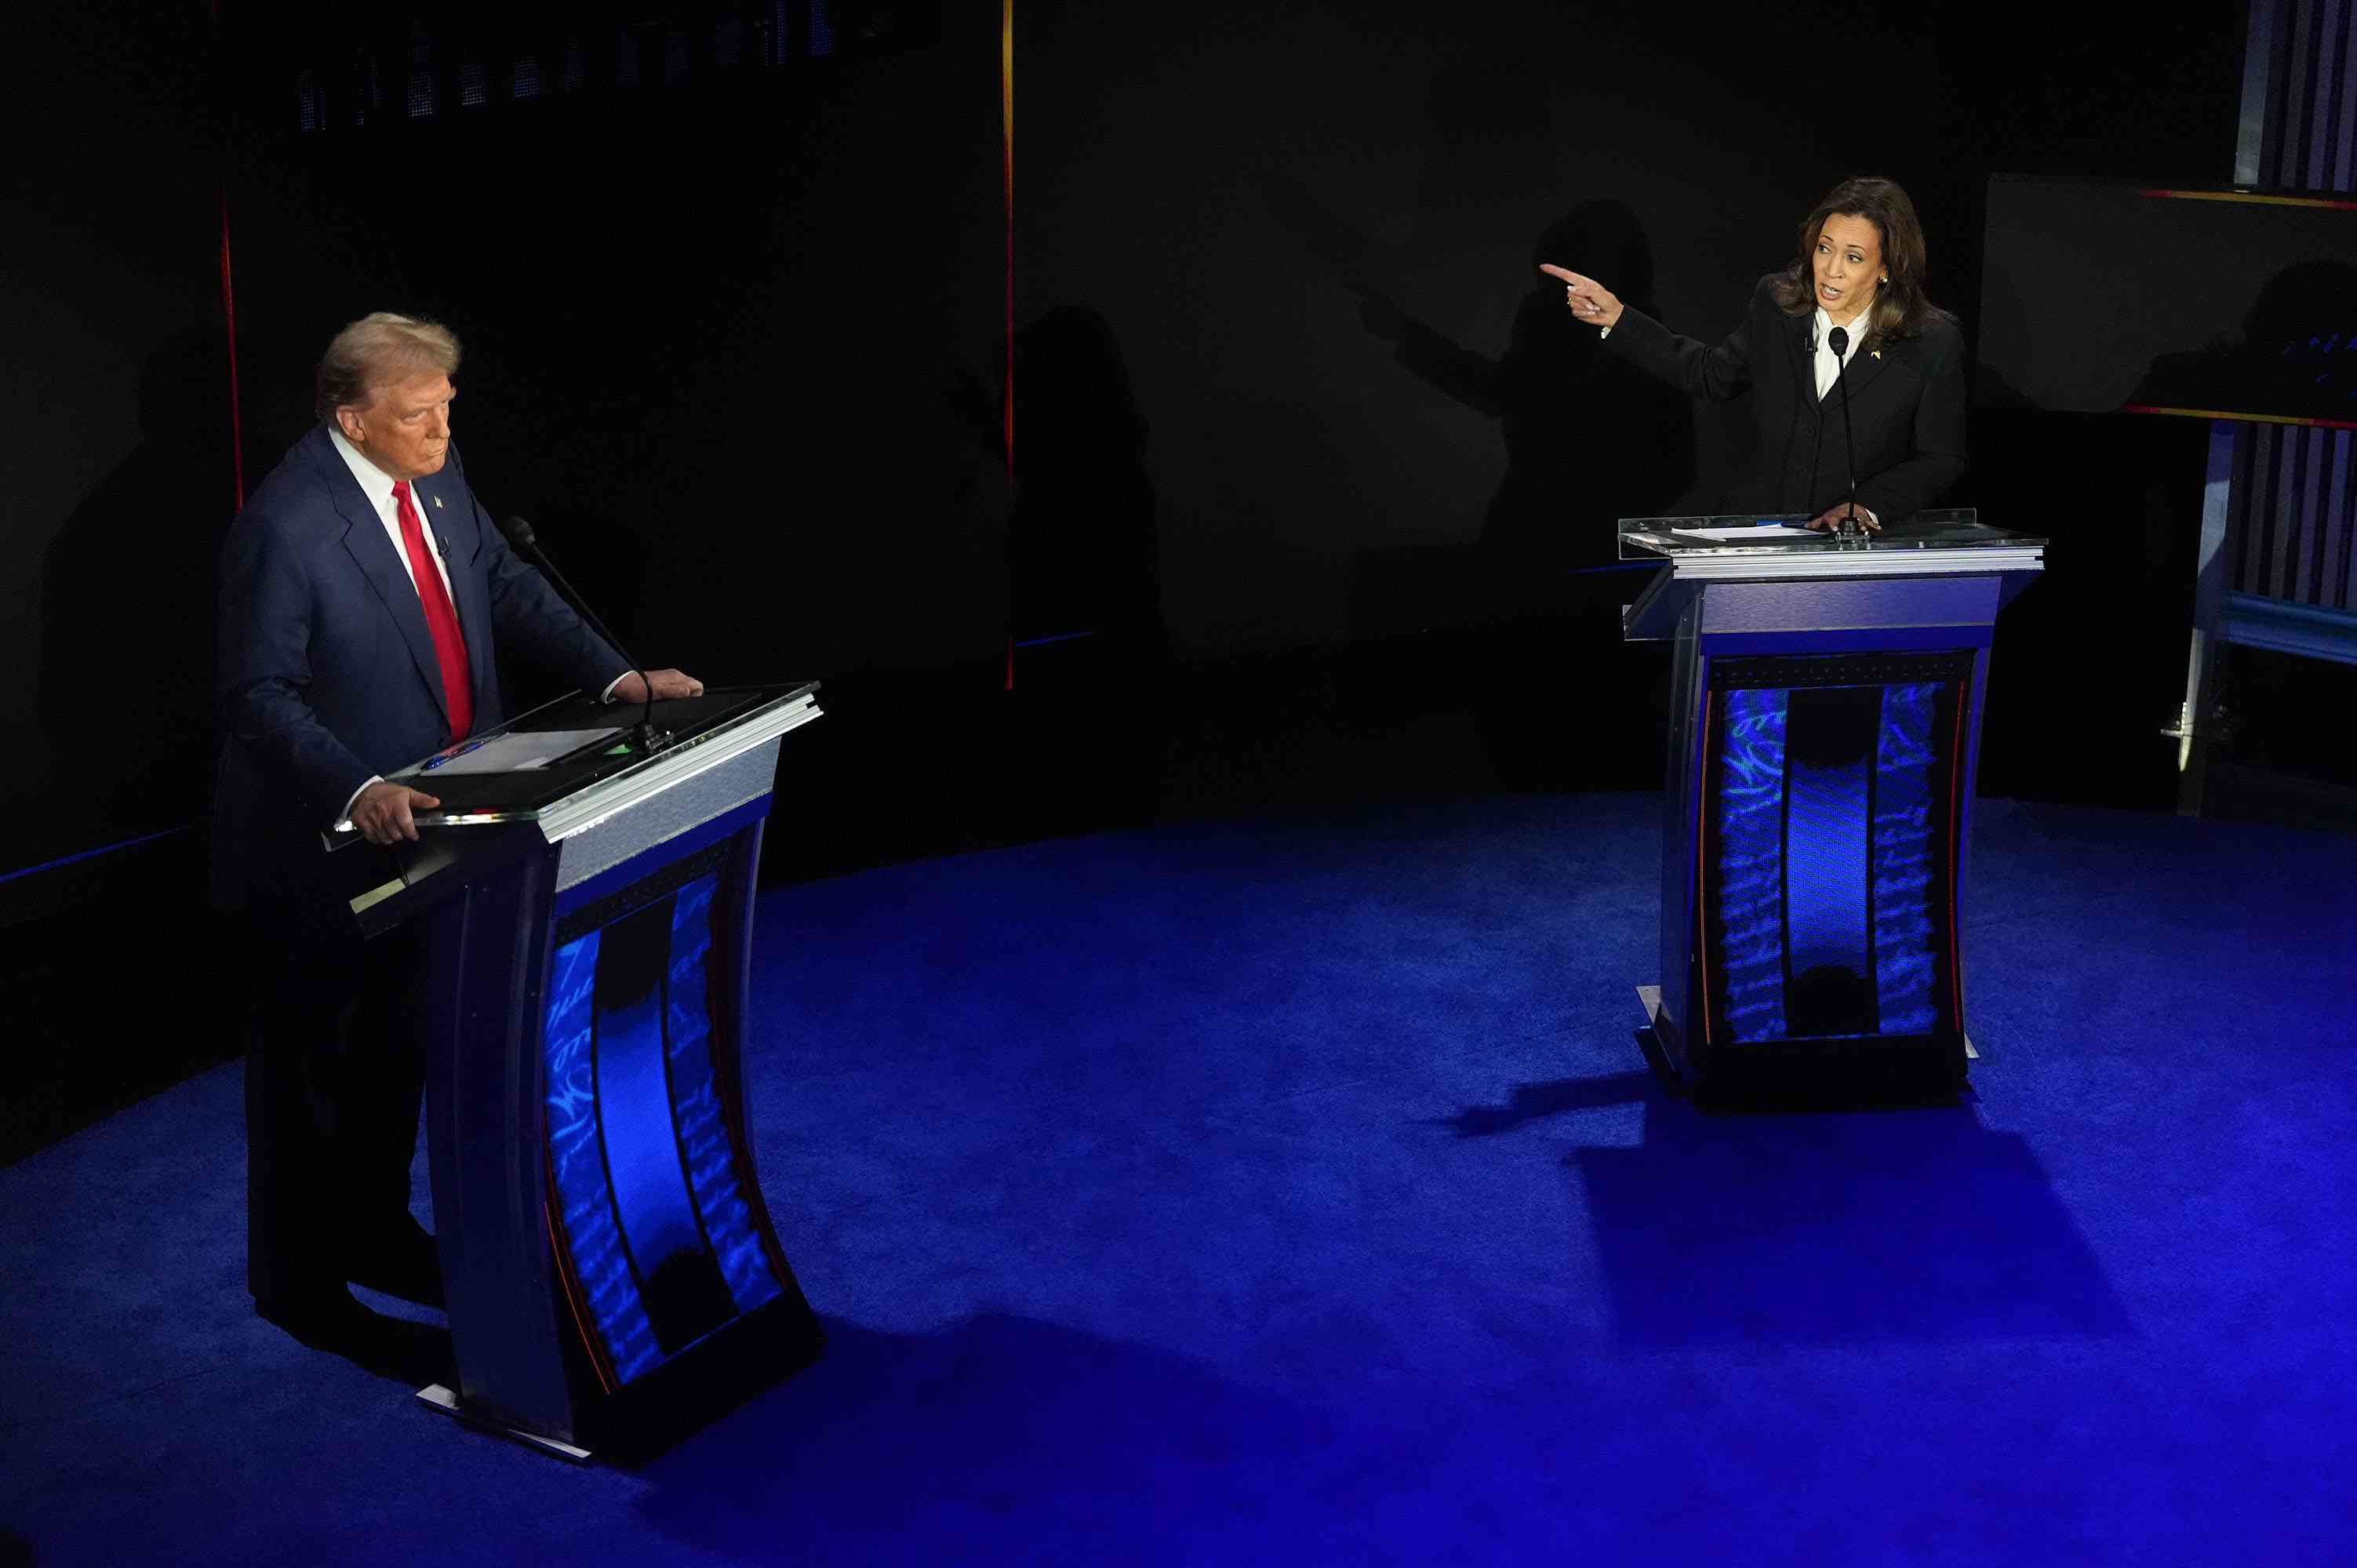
(1816,439)
(1838,340)
(643,734)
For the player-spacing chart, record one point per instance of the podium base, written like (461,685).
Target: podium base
(1909,1071)
(446,1401)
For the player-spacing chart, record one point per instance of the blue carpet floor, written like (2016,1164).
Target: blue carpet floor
(1295,1190)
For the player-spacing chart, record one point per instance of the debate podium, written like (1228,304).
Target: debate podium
(1825,701)
(608,1265)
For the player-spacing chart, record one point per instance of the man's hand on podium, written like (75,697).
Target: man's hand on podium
(1830,520)
(667,683)
(383,812)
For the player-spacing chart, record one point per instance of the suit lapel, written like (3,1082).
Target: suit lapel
(371,551)
(1859,372)
(1864,368)
(1804,371)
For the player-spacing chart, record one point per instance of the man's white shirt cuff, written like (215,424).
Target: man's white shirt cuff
(344,820)
(344,823)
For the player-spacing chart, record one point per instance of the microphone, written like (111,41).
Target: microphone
(1816,441)
(1838,340)
(643,733)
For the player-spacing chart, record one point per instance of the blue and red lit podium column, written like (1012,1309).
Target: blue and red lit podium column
(608,1264)
(1823,730)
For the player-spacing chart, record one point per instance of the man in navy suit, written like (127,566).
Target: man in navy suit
(365,598)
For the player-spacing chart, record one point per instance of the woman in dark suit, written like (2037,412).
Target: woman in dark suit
(1860,270)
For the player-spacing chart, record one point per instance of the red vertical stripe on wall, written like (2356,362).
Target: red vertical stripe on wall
(1007,132)
(1007,144)
(228,321)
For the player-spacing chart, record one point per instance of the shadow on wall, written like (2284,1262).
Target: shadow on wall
(1088,647)
(2296,356)
(126,665)
(1083,550)
(1589,437)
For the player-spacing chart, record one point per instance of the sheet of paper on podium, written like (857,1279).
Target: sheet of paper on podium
(517,751)
(1746,535)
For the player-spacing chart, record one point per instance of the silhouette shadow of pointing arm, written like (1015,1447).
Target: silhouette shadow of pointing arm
(1536,1102)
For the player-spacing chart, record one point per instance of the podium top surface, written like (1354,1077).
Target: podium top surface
(701,731)
(1751,546)
(598,804)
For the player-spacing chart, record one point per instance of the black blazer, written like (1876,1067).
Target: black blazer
(1906,408)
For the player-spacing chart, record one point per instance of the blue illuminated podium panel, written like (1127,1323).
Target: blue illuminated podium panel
(609,1266)
(1826,699)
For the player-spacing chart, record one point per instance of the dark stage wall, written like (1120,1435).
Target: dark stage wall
(1312,229)
(118,483)
(112,395)
(735,336)
(734,342)
(717,335)
(732,333)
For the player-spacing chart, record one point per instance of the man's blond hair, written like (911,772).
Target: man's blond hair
(380,348)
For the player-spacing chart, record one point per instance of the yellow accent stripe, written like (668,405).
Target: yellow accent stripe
(2252,197)
(2247,418)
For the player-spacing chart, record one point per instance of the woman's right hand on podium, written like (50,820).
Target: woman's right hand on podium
(384,811)
(1589,300)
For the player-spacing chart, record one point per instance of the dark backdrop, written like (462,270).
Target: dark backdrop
(117,429)
(734,339)
(732,335)
(716,329)
(1313,229)
(735,322)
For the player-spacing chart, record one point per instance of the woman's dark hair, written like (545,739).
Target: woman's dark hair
(1900,310)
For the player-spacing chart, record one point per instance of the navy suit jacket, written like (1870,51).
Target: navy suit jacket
(327,671)
(1907,408)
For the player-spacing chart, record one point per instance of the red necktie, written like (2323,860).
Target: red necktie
(449,647)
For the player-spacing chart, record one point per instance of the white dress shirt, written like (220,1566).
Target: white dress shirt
(1828,363)
(377,486)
